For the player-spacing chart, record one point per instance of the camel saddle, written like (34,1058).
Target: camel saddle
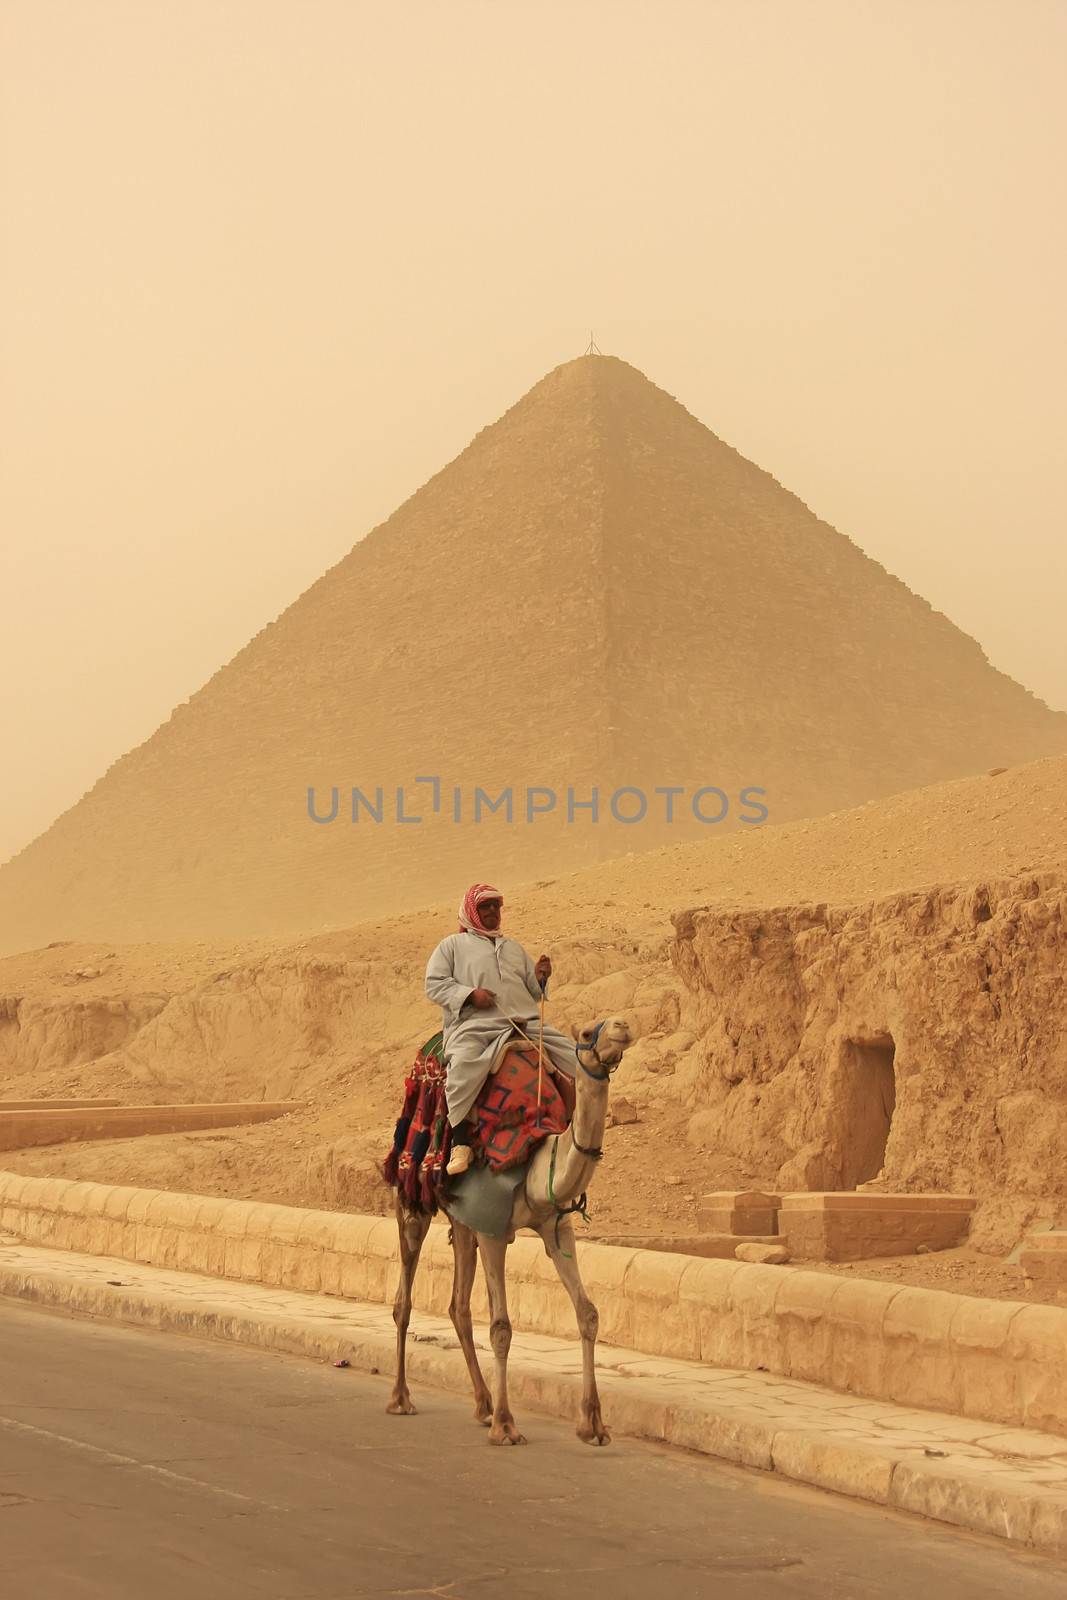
(509,1121)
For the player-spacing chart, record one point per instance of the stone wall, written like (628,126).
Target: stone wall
(981,1358)
(920,1039)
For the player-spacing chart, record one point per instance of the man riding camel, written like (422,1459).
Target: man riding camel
(485,983)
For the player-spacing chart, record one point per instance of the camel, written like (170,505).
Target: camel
(559,1172)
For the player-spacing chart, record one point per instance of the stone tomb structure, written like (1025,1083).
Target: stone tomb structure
(914,1043)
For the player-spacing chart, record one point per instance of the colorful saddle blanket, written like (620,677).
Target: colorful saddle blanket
(509,1123)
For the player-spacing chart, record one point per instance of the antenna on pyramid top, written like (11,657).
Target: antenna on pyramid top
(594,349)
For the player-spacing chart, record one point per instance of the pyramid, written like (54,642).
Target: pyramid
(597,593)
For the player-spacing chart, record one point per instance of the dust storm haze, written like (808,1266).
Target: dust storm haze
(269,267)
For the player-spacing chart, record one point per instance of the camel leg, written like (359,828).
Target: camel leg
(494,1255)
(465,1265)
(413,1231)
(591,1427)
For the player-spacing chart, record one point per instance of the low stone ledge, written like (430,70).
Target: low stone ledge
(1001,1361)
(21,1129)
(56,1105)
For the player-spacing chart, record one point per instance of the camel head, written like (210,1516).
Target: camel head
(601,1044)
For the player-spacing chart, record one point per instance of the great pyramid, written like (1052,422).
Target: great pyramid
(596,592)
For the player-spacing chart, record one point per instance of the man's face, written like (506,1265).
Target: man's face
(489,911)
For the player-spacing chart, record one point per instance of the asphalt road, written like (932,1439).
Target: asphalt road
(143,1466)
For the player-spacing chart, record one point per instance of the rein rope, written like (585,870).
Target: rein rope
(579,1206)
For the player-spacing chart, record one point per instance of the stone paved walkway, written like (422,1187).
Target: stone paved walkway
(976,1475)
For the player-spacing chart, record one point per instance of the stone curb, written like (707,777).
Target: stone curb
(745,1434)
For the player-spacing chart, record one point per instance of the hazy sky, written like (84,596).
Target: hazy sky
(266,265)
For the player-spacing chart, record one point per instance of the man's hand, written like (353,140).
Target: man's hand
(543,970)
(482,999)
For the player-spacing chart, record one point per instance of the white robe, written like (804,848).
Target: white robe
(467,961)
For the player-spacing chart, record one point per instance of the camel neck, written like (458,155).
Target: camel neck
(573,1168)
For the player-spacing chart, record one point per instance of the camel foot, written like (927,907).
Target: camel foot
(591,1429)
(598,1435)
(401,1405)
(483,1413)
(505,1433)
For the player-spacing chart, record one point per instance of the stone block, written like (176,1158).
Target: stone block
(831,1226)
(211,1255)
(604,1269)
(169,1246)
(803,1311)
(979,1337)
(210,1214)
(72,1201)
(117,1203)
(140,1200)
(114,1236)
(741,1212)
(753,1293)
(382,1239)
(857,1351)
(329,1268)
(47,1193)
(662,1323)
(317,1230)
(764,1255)
(1043,1259)
(233,1257)
(709,1287)
(191,1251)
(921,1365)
(353,1233)
(969,1498)
(173,1210)
(844,1466)
(303,1268)
(742,1434)
(433,1286)
(1037,1349)
(354,1277)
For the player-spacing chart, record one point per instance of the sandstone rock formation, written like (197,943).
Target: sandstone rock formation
(919,1041)
(513,625)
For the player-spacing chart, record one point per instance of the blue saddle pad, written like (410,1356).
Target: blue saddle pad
(482,1199)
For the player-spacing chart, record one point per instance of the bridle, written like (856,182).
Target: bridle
(609,1067)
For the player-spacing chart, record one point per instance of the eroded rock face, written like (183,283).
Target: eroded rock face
(41,1035)
(919,1041)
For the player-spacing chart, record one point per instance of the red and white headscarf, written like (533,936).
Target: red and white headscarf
(469,920)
